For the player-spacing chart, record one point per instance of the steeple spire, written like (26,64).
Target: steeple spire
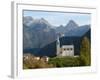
(58,46)
(58,40)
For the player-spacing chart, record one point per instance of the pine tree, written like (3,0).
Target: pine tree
(85,52)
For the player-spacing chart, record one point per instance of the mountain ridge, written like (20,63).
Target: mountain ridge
(38,33)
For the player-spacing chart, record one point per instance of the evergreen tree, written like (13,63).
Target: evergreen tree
(85,55)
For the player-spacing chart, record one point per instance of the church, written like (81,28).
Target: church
(64,50)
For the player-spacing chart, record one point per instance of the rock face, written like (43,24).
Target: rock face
(63,29)
(79,31)
(37,33)
(71,25)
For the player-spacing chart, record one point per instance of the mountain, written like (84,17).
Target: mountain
(60,29)
(39,36)
(37,33)
(27,20)
(78,31)
(71,25)
(30,21)
(63,29)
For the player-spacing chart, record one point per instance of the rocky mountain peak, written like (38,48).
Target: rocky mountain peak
(71,24)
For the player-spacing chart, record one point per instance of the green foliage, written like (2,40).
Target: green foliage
(65,61)
(85,55)
(83,60)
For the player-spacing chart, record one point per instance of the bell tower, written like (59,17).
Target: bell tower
(58,46)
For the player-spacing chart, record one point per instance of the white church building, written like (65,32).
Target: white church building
(64,50)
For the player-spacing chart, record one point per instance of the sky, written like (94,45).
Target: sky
(60,18)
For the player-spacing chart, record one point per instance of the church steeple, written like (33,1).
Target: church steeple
(58,42)
(58,46)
